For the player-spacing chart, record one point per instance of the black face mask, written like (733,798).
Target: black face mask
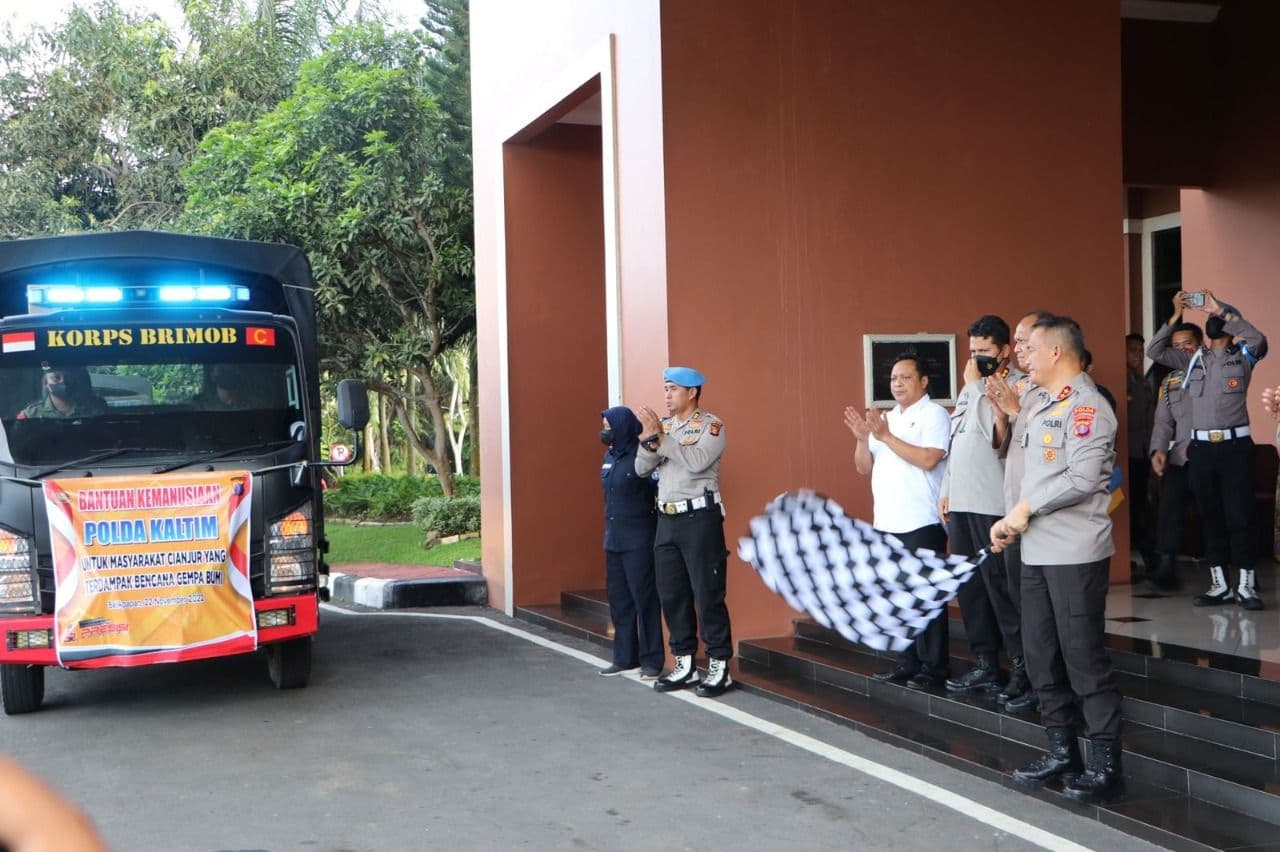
(987,365)
(606,437)
(58,389)
(1213,328)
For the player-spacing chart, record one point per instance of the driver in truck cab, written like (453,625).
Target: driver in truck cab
(65,392)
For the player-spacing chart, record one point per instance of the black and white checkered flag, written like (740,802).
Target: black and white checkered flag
(846,575)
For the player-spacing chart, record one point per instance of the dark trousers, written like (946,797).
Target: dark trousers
(1070,670)
(1222,478)
(633,607)
(1139,533)
(1175,491)
(690,558)
(989,601)
(930,652)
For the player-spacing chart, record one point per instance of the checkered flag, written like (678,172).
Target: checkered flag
(846,575)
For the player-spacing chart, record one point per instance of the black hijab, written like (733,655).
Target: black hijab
(626,429)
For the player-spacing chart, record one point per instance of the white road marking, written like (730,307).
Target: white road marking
(940,795)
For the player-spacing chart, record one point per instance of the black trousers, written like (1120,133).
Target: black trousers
(931,651)
(1139,532)
(1175,491)
(633,607)
(1222,479)
(1067,660)
(990,600)
(690,558)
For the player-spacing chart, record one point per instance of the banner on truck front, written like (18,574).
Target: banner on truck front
(151,569)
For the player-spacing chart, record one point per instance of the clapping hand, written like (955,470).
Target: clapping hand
(1002,395)
(857,423)
(650,423)
(877,423)
(1271,401)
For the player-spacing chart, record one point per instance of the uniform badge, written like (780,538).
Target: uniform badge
(1082,418)
(1232,384)
(715,427)
(1048,438)
(1050,454)
(691,438)
(1004,372)
(1064,393)
(697,415)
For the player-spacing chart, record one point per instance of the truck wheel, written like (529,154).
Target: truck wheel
(22,688)
(289,663)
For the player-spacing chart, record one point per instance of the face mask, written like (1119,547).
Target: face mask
(58,389)
(1213,328)
(606,437)
(987,365)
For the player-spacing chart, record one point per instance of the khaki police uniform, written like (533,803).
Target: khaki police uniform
(690,557)
(1171,432)
(45,409)
(1221,449)
(974,488)
(1069,451)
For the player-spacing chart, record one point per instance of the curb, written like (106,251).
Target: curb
(404,594)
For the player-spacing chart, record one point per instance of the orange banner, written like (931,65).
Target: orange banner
(151,569)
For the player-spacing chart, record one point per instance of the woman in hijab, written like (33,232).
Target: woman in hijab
(630,519)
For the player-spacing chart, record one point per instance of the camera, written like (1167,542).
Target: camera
(1193,300)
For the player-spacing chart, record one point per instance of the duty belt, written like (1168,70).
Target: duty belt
(680,507)
(1217,436)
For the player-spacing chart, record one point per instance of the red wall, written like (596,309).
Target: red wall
(838,168)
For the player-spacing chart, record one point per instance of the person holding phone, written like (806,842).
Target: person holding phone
(1216,378)
(972,500)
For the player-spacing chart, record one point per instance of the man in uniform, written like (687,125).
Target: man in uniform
(1069,450)
(1140,411)
(689,553)
(904,452)
(972,500)
(1170,436)
(1008,401)
(1216,377)
(67,393)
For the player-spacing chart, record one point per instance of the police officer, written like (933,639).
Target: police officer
(972,500)
(1009,401)
(1069,450)
(66,392)
(630,520)
(1140,409)
(689,553)
(1216,377)
(1170,436)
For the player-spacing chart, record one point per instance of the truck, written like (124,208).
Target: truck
(160,466)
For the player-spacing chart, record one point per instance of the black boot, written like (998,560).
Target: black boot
(1165,576)
(1061,760)
(1018,684)
(983,677)
(1104,779)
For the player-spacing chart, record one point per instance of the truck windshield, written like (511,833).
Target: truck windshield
(164,392)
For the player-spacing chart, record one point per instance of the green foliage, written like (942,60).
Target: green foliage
(396,543)
(170,383)
(376,496)
(447,515)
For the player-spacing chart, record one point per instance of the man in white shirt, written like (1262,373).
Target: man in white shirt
(904,451)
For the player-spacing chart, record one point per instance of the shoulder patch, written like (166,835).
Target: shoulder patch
(697,415)
(1064,393)
(1082,417)
(715,427)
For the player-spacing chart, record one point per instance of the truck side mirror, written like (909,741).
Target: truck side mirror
(353,405)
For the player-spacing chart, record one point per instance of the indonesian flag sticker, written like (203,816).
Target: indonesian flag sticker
(19,341)
(256,335)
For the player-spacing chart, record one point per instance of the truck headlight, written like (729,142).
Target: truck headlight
(19,589)
(291,552)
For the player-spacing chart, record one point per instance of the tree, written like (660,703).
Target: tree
(351,167)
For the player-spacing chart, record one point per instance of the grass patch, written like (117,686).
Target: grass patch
(400,544)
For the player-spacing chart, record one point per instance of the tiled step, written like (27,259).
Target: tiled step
(1163,816)
(571,622)
(1224,777)
(591,601)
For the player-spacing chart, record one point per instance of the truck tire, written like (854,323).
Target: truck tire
(289,663)
(22,688)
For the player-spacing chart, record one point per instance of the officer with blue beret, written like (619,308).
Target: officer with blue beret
(690,557)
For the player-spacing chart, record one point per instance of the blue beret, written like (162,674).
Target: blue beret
(686,377)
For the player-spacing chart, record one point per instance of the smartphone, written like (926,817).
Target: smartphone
(1193,300)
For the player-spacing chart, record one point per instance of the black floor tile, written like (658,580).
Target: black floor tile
(1182,821)
(581,626)
(587,601)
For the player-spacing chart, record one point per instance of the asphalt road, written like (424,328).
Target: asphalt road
(431,733)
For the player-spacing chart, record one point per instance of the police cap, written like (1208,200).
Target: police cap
(686,377)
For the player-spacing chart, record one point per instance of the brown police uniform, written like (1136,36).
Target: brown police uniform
(1069,450)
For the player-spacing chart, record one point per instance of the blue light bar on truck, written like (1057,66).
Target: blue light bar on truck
(46,297)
